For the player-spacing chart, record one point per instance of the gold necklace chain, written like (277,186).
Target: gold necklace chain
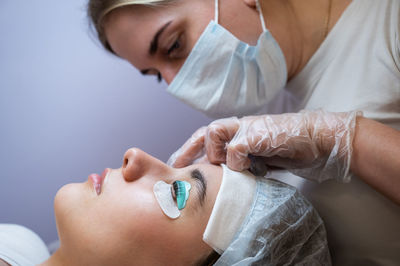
(327,19)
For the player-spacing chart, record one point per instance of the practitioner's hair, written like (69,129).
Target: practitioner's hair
(210,260)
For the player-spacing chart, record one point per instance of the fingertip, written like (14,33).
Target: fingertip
(181,162)
(238,165)
(202,160)
(237,158)
(171,161)
(177,160)
(177,165)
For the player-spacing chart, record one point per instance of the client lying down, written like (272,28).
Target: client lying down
(146,213)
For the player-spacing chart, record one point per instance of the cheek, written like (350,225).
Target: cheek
(137,227)
(177,241)
(144,229)
(130,212)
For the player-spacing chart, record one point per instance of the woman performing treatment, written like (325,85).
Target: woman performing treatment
(147,213)
(338,60)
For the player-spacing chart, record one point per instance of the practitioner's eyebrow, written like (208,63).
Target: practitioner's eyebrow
(154,43)
(201,184)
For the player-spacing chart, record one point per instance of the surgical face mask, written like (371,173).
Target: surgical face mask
(224,76)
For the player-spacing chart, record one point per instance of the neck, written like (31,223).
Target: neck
(57,259)
(300,27)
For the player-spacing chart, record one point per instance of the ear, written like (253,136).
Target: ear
(250,3)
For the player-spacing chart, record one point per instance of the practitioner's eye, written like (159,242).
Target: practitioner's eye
(176,45)
(177,49)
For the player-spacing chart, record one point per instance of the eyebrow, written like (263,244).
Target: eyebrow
(201,185)
(154,43)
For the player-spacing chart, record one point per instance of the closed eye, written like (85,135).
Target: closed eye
(200,183)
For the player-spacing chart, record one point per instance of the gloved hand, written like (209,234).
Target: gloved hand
(316,145)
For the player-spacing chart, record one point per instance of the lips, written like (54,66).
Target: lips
(97,180)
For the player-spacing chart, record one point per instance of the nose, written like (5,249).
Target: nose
(170,71)
(137,163)
(169,77)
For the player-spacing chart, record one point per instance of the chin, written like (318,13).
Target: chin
(67,204)
(66,196)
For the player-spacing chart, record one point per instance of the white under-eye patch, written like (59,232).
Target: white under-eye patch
(163,194)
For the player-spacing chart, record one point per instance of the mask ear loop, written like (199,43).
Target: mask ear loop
(261,15)
(216,11)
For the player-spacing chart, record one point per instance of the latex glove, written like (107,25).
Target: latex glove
(190,152)
(194,150)
(313,144)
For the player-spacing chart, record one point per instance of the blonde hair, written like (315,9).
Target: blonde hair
(99,9)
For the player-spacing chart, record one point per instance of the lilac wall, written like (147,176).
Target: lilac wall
(68,109)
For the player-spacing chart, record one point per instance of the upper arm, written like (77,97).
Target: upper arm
(3,263)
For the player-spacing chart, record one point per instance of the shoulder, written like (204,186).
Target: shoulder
(21,246)
(396,22)
(3,263)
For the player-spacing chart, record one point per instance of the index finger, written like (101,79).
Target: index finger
(190,151)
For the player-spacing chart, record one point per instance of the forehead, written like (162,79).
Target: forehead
(130,29)
(138,17)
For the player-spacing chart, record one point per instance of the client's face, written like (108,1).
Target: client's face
(124,224)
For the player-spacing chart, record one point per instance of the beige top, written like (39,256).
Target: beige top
(356,67)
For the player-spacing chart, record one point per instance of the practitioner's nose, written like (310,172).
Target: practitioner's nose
(137,163)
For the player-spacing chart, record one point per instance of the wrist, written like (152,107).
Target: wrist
(321,127)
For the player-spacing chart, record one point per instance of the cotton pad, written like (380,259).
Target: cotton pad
(231,206)
(162,191)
